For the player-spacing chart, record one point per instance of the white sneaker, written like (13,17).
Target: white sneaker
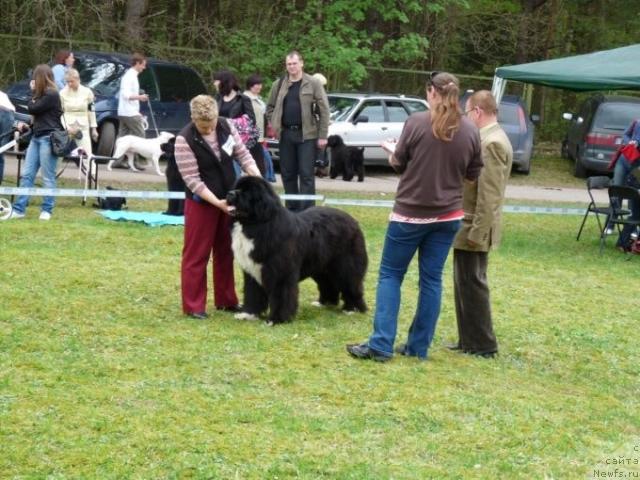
(15,214)
(608,231)
(45,216)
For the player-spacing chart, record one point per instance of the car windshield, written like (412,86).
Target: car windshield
(340,107)
(617,116)
(102,76)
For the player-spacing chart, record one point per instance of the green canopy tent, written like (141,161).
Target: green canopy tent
(616,69)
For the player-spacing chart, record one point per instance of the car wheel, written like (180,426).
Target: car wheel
(578,169)
(107,139)
(564,149)
(525,169)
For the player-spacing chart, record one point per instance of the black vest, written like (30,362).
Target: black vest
(217,173)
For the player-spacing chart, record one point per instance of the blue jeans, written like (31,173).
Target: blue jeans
(38,155)
(433,242)
(624,239)
(269,173)
(621,170)
(6,124)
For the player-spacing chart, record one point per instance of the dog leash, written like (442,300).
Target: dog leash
(153,117)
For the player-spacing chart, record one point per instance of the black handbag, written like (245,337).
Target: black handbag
(61,143)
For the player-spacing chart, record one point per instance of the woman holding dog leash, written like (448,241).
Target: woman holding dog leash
(437,151)
(205,151)
(46,111)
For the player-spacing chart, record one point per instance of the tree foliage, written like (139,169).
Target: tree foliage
(357,44)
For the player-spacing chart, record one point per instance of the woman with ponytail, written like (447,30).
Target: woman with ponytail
(437,151)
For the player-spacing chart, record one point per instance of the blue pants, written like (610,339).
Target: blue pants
(38,155)
(269,172)
(433,242)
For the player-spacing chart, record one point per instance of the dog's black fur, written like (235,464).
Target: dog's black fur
(323,243)
(345,161)
(175,183)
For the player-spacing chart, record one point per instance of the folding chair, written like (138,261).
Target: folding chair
(618,217)
(595,183)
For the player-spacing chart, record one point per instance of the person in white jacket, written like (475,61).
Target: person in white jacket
(79,114)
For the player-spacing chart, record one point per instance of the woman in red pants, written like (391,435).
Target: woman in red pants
(204,152)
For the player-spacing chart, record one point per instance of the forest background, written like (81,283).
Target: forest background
(359,45)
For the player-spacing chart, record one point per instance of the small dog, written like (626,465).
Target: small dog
(149,148)
(345,160)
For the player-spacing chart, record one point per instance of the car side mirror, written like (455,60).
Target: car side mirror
(579,120)
(535,118)
(361,119)
(567,116)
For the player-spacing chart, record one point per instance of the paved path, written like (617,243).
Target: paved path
(379,181)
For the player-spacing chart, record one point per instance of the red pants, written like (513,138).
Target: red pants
(207,231)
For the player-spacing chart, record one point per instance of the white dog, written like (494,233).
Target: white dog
(149,148)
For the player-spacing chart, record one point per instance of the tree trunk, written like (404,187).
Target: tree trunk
(134,27)
(528,7)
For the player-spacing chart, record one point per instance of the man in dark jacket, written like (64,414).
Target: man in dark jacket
(298,110)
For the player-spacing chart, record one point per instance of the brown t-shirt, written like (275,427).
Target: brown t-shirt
(432,170)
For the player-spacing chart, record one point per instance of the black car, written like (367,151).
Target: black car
(596,131)
(170,87)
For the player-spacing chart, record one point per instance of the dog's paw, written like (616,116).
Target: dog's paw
(348,312)
(316,304)
(270,323)
(245,316)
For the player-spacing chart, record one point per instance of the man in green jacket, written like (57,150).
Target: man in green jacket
(298,111)
(480,231)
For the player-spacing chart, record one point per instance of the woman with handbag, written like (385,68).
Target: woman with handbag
(624,161)
(45,109)
(232,104)
(77,105)
(626,158)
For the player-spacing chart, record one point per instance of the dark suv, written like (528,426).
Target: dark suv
(519,127)
(170,87)
(596,131)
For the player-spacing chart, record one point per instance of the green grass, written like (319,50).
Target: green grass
(548,169)
(101,376)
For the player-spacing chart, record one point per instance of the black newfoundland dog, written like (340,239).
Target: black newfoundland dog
(345,160)
(277,249)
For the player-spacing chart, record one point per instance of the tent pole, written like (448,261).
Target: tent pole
(499,85)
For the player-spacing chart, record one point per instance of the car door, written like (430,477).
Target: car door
(578,127)
(367,133)
(172,105)
(397,114)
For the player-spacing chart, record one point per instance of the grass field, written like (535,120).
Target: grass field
(101,376)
